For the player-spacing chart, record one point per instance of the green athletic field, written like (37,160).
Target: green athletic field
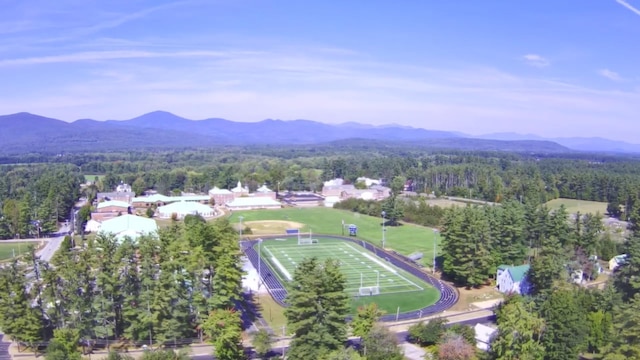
(7,250)
(405,239)
(363,270)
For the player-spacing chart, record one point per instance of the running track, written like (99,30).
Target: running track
(448,294)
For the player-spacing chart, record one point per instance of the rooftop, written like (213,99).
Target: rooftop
(253,201)
(129,225)
(116,203)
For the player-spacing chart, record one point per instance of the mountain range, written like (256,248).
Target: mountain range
(25,132)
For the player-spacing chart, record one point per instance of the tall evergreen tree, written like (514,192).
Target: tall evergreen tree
(318,307)
(547,266)
(565,334)
(519,333)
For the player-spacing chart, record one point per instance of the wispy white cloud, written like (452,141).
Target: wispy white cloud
(629,6)
(611,75)
(536,60)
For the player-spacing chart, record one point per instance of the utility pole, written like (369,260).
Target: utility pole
(435,240)
(240,218)
(383,229)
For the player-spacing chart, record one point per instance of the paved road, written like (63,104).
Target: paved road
(53,244)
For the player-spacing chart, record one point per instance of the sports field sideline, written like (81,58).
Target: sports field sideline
(361,268)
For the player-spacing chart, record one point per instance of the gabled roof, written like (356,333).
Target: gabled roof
(185,207)
(169,199)
(253,201)
(484,333)
(129,225)
(264,189)
(518,273)
(217,191)
(116,203)
(620,259)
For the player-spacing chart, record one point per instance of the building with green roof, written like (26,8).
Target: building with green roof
(513,279)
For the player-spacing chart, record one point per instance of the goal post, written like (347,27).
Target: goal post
(369,290)
(306,239)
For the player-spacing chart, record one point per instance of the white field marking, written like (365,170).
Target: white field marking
(277,263)
(385,266)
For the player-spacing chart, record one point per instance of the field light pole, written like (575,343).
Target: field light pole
(240,218)
(435,240)
(384,213)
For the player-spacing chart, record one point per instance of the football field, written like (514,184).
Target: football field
(366,273)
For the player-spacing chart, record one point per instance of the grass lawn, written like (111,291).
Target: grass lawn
(92,177)
(583,206)
(405,239)
(7,249)
(271,312)
(360,267)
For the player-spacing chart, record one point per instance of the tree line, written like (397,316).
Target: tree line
(476,240)
(182,284)
(34,198)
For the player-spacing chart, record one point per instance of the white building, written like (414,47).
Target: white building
(484,335)
(239,190)
(252,203)
(129,226)
(617,261)
(184,208)
(92,226)
(512,279)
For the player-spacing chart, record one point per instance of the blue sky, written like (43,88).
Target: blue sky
(548,67)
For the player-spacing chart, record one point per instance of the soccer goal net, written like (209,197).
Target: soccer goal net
(306,239)
(369,290)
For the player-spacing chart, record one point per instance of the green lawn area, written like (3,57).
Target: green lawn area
(92,177)
(7,249)
(360,267)
(583,206)
(405,239)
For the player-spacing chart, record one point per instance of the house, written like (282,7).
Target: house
(512,279)
(184,208)
(220,196)
(129,226)
(616,261)
(240,191)
(123,193)
(336,187)
(264,191)
(484,335)
(368,182)
(252,203)
(302,199)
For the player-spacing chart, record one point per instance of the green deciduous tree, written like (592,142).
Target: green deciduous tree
(262,341)
(428,333)
(224,329)
(318,307)
(381,344)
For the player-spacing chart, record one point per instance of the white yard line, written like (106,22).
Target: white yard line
(277,263)
(388,268)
